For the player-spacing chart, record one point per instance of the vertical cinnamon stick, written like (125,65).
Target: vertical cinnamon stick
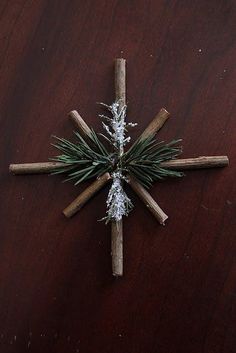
(120,81)
(117,248)
(117,227)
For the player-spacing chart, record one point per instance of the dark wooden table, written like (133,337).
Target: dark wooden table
(178,293)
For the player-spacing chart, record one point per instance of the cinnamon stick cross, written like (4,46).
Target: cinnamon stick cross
(154,126)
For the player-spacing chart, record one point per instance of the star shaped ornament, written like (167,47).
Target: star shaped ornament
(111,158)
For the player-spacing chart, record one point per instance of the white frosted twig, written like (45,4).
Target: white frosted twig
(116,125)
(118,203)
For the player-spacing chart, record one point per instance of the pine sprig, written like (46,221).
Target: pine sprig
(82,160)
(143,160)
(89,158)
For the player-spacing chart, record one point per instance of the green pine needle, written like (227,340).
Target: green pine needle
(143,160)
(82,160)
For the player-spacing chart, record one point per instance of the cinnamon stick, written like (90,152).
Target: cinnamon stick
(117,227)
(153,127)
(156,124)
(47,167)
(117,247)
(35,168)
(151,204)
(79,122)
(86,195)
(196,163)
(120,81)
(178,164)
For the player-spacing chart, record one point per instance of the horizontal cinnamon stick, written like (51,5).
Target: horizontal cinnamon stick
(79,122)
(86,195)
(156,124)
(151,204)
(185,163)
(195,163)
(35,168)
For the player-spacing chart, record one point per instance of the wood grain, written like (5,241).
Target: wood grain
(178,292)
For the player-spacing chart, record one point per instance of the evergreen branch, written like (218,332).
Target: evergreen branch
(143,160)
(86,159)
(82,161)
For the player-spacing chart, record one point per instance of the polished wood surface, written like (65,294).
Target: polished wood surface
(178,292)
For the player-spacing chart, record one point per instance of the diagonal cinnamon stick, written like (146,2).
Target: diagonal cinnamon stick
(120,90)
(153,127)
(156,124)
(151,204)
(86,195)
(79,122)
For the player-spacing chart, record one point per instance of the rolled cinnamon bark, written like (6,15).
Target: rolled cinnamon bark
(178,164)
(120,81)
(35,168)
(86,195)
(196,163)
(117,248)
(79,122)
(150,203)
(156,124)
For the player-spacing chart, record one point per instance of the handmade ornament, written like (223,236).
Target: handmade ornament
(139,166)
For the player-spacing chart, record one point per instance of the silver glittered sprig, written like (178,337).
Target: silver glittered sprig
(118,203)
(116,126)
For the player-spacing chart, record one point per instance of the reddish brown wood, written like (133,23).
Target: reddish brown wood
(178,292)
